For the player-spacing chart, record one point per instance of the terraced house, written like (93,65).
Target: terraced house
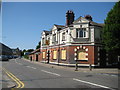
(79,40)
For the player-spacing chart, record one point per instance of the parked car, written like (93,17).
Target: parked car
(10,57)
(3,58)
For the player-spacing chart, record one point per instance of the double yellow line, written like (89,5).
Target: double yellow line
(13,77)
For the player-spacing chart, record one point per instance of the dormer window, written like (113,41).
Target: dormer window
(81,32)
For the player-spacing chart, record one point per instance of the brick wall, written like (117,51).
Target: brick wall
(91,54)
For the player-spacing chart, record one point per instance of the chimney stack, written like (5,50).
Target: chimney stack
(88,17)
(69,17)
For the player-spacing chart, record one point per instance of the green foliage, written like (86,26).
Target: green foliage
(22,53)
(26,56)
(39,45)
(111,30)
(30,50)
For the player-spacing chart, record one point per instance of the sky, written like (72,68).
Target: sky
(23,22)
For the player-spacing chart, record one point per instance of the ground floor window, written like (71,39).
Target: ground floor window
(63,54)
(54,54)
(43,53)
(81,55)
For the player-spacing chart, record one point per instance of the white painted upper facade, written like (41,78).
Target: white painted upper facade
(82,31)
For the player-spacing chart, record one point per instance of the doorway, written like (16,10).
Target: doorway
(36,57)
(31,58)
(48,59)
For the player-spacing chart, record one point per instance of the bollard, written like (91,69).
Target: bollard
(90,67)
(76,66)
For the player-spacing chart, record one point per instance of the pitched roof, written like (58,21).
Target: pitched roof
(96,24)
(35,51)
(59,26)
(91,22)
(47,32)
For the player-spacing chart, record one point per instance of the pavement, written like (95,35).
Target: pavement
(109,71)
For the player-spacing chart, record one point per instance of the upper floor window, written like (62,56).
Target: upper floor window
(43,41)
(63,36)
(81,32)
(54,37)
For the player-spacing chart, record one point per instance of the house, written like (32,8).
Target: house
(35,55)
(77,41)
(16,52)
(5,50)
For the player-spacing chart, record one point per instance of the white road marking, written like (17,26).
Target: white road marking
(51,73)
(92,83)
(31,67)
(114,75)
(107,74)
(18,63)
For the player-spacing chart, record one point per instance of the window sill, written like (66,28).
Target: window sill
(82,37)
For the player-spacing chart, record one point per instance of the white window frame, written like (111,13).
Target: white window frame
(63,36)
(54,37)
(84,33)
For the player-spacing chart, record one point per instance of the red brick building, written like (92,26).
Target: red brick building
(79,40)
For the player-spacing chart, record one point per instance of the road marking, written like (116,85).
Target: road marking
(114,75)
(51,73)
(20,84)
(12,78)
(31,67)
(18,63)
(92,83)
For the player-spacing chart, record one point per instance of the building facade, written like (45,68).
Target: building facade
(5,50)
(35,55)
(77,41)
(16,52)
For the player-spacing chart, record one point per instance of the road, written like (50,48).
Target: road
(34,75)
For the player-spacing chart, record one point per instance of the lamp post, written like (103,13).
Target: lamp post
(59,48)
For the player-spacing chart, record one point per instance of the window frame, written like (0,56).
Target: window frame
(81,33)
(54,37)
(43,55)
(63,37)
(64,57)
(55,57)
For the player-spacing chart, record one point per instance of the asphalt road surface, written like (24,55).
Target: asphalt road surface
(33,75)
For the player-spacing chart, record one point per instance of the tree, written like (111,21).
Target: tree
(30,50)
(111,31)
(22,53)
(39,45)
